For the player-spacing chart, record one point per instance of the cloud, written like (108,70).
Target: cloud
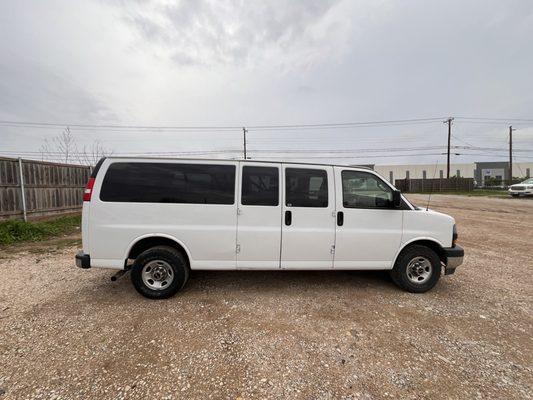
(208,33)
(32,91)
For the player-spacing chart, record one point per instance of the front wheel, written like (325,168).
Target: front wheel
(159,272)
(417,269)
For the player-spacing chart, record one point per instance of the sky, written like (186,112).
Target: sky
(213,64)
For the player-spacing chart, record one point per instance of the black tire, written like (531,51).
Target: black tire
(514,195)
(168,255)
(400,274)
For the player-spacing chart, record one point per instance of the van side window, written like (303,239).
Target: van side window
(364,190)
(260,186)
(306,187)
(169,183)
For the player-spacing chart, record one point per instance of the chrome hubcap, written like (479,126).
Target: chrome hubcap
(157,274)
(419,270)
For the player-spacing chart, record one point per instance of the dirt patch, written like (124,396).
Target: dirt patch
(70,333)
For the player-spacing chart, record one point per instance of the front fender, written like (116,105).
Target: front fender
(419,240)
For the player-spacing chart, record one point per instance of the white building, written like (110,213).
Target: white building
(477,171)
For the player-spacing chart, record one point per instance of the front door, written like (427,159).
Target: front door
(308,234)
(259,216)
(369,228)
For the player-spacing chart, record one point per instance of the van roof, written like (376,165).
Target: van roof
(238,159)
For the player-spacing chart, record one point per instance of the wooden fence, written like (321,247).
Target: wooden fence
(435,185)
(48,188)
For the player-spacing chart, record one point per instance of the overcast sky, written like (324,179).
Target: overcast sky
(249,63)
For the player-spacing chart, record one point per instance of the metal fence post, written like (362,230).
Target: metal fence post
(22,190)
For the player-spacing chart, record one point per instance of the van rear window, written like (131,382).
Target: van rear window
(145,182)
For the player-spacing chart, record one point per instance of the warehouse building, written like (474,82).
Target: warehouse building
(480,171)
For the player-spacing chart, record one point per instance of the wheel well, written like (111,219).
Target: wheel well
(152,241)
(432,245)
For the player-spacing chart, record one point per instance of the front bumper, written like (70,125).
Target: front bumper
(83,260)
(454,258)
(528,192)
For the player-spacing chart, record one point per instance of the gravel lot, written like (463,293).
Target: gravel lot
(69,333)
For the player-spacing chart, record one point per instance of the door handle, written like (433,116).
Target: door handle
(340,218)
(288,217)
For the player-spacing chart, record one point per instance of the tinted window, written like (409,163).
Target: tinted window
(306,187)
(169,183)
(364,190)
(260,186)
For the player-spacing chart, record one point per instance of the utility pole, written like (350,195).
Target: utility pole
(510,155)
(449,122)
(244,130)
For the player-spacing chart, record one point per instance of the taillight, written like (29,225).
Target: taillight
(455,236)
(88,190)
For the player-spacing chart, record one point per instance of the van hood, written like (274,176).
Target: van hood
(437,214)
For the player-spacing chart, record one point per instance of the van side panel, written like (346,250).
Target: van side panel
(207,230)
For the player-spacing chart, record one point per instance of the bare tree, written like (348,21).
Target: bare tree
(63,147)
(91,154)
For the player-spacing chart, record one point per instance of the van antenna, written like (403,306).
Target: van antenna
(431,187)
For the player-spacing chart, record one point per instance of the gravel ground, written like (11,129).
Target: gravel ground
(69,333)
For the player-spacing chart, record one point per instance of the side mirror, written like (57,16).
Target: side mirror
(396,198)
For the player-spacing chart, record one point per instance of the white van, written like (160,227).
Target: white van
(161,218)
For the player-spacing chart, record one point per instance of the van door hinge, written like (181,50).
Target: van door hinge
(238,249)
(332,250)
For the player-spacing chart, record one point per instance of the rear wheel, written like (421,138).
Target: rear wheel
(160,272)
(417,269)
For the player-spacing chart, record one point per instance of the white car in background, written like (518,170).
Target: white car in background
(522,189)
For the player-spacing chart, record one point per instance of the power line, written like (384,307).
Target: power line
(287,151)
(77,159)
(27,124)
(472,147)
(230,129)
(369,156)
(463,141)
(125,153)
(380,150)
(236,127)
(368,124)
(488,122)
(497,119)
